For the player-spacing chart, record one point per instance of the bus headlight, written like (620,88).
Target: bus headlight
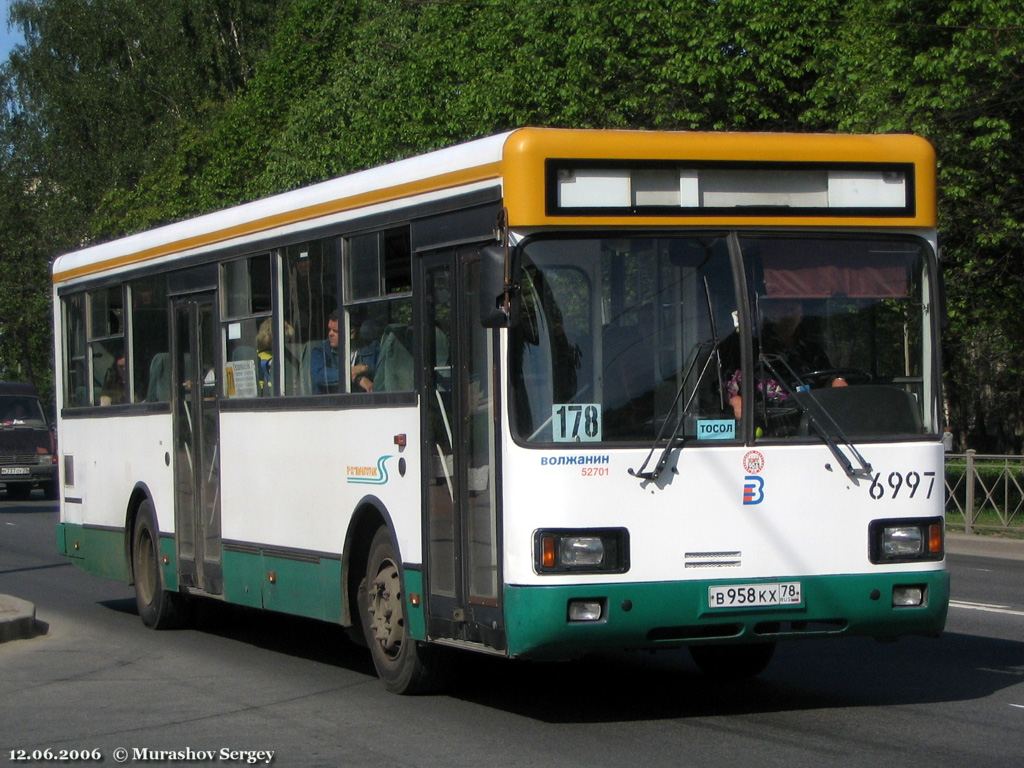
(581,551)
(903,541)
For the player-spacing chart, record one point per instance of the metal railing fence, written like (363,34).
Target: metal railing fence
(986,492)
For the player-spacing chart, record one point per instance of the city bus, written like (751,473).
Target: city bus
(538,395)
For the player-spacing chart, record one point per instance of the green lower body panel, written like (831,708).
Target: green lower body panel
(100,551)
(309,586)
(664,614)
(415,620)
(304,587)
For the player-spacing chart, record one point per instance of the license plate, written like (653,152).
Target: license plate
(14,470)
(755,595)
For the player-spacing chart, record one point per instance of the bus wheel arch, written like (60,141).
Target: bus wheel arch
(370,515)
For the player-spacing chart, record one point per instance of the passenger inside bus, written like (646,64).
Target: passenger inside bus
(265,354)
(115,385)
(323,361)
(364,355)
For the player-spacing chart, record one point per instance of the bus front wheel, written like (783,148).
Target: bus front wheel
(732,662)
(158,608)
(404,665)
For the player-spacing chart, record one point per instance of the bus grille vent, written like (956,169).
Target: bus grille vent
(815,627)
(712,559)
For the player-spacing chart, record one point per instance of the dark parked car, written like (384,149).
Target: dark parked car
(28,453)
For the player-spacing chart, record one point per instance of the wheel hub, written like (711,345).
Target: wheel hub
(385,608)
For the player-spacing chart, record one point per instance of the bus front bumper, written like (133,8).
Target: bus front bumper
(539,620)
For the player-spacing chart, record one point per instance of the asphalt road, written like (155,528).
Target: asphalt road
(248,681)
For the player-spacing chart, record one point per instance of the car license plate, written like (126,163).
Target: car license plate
(755,595)
(14,470)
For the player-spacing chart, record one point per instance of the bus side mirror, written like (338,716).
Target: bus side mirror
(493,299)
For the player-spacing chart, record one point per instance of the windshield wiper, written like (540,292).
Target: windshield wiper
(804,399)
(674,437)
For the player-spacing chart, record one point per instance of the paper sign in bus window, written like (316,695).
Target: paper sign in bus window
(576,422)
(240,378)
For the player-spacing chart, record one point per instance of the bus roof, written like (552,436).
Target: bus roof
(518,161)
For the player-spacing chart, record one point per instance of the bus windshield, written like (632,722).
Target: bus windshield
(615,335)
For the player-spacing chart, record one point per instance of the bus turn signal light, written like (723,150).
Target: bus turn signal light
(548,551)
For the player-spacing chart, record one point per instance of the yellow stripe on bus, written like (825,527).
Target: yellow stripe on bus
(308,213)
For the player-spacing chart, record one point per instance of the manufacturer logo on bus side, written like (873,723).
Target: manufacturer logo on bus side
(377,475)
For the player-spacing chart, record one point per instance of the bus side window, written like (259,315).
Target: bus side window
(309,276)
(151,367)
(378,311)
(247,306)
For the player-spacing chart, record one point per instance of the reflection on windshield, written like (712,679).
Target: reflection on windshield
(607,327)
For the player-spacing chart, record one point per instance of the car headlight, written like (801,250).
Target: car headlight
(582,551)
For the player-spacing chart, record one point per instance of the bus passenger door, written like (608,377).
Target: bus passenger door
(196,443)
(461,542)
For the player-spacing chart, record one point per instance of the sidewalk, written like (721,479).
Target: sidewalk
(984,546)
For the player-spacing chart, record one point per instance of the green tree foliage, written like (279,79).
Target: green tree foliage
(953,71)
(125,115)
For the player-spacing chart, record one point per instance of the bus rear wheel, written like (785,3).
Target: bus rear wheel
(404,665)
(732,662)
(158,608)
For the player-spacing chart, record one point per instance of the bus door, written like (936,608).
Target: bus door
(459,385)
(196,442)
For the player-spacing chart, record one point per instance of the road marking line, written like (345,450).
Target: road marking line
(986,607)
(1018,706)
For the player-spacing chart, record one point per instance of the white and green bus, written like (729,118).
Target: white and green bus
(535,395)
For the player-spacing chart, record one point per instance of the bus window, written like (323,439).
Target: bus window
(106,346)
(378,312)
(247,304)
(843,321)
(151,365)
(310,280)
(621,330)
(76,384)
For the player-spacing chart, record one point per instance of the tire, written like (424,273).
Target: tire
(404,665)
(50,491)
(158,608)
(732,662)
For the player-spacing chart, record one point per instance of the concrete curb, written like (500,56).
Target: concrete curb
(17,619)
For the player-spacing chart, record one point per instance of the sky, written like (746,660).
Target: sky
(8,39)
